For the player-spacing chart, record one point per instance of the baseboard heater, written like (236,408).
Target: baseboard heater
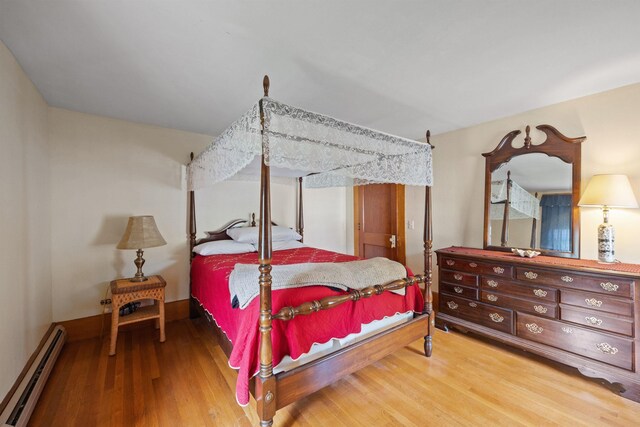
(21,405)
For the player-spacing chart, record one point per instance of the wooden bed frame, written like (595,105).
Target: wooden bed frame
(273,392)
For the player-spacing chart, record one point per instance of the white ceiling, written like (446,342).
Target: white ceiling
(400,67)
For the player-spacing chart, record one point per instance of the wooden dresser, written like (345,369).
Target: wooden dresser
(576,312)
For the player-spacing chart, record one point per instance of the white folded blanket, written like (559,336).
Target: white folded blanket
(243,282)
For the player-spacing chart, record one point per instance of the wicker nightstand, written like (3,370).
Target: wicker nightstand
(124,291)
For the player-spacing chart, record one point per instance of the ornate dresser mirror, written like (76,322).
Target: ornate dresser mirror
(531,194)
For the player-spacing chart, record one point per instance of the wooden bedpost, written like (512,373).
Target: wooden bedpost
(534,231)
(300,212)
(504,239)
(192,219)
(428,266)
(265,390)
(193,312)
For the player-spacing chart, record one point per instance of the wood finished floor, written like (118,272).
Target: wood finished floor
(186,382)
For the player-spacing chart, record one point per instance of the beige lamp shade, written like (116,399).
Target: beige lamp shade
(613,191)
(141,233)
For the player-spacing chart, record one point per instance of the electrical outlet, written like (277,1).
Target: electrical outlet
(411,225)
(105,301)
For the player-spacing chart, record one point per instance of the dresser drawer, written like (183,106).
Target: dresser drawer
(463,291)
(597,302)
(542,293)
(604,284)
(477,312)
(595,345)
(494,268)
(605,322)
(517,304)
(458,278)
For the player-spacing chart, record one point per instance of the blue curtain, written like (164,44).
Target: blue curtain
(555,225)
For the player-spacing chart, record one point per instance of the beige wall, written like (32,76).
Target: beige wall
(25,216)
(610,122)
(104,170)
(327,219)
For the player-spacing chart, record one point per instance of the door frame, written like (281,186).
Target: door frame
(400,226)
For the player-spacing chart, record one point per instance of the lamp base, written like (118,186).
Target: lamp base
(606,241)
(139,262)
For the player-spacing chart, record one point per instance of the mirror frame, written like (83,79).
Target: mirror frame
(556,145)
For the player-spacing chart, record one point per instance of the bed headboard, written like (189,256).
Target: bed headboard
(221,233)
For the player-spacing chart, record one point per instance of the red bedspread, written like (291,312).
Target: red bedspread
(210,278)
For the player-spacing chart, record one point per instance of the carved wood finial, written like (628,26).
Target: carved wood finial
(253,219)
(191,156)
(508,175)
(429,139)
(527,138)
(265,85)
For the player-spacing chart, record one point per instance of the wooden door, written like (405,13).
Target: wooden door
(379,221)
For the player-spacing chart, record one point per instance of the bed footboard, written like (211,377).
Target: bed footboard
(306,379)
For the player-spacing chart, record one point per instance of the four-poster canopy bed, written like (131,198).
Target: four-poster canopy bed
(319,151)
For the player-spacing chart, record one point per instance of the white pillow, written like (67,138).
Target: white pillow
(281,246)
(250,234)
(222,247)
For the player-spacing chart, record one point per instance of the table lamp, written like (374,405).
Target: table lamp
(608,191)
(141,233)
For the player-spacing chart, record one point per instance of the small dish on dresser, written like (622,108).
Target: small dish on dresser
(525,253)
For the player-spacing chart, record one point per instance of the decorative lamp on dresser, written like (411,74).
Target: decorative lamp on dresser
(581,313)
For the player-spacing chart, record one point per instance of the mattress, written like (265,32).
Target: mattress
(304,338)
(319,350)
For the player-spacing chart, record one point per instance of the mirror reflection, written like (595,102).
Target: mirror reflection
(531,207)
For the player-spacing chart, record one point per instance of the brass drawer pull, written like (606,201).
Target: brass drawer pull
(496,317)
(593,320)
(498,270)
(567,279)
(473,304)
(492,283)
(458,289)
(457,276)
(450,262)
(534,328)
(608,286)
(492,297)
(473,265)
(567,330)
(452,305)
(592,302)
(540,293)
(540,309)
(606,348)
(530,275)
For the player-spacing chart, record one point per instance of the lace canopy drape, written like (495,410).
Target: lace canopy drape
(523,204)
(326,151)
